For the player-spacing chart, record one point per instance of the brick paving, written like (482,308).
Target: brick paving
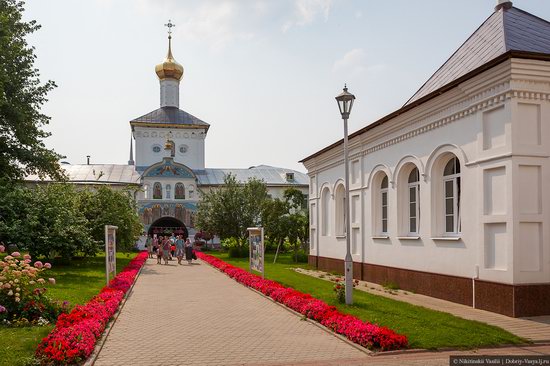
(195,315)
(535,329)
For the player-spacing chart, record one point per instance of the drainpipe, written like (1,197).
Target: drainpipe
(476,276)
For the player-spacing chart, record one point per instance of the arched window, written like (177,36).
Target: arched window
(168,191)
(180,191)
(325,212)
(414,201)
(191,191)
(384,205)
(146,191)
(451,195)
(157,191)
(339,197)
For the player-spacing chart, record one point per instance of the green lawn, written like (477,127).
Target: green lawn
(424,328)
(77,282)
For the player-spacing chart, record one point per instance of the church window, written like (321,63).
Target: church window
(325,212)
(157,191)
(339,198)
(384,205)
(180,191)
(451,194)
(183,149)
(168,191)
(146,191)
(156,148)
(414,192)
(191,190)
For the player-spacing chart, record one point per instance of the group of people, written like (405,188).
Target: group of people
(168,247)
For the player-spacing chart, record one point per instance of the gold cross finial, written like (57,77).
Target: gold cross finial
(170,25)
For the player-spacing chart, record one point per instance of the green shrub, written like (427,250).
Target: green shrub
(301,257)
(234,248)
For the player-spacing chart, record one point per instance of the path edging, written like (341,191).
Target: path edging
(99,344)
(321,326)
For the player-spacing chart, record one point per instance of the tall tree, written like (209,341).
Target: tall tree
(22,150)
(107,206)
(229,210)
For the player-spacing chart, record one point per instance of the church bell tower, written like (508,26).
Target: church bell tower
(169,73)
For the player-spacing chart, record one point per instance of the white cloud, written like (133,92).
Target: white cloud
(306,12)
(355,63)
(214,22)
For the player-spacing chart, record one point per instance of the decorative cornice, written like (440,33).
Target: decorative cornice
(479,102)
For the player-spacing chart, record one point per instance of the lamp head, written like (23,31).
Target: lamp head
(345,102)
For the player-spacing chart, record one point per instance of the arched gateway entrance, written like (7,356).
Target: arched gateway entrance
(168,225)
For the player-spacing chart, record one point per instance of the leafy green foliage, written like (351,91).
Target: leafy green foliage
(22,150)
(59,220)
(45,220)
(107,206)
(234,207)
(229,210)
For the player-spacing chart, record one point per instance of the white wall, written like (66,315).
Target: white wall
(191,138)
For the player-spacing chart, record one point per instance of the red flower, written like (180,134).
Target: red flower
(75,334)
(366,334)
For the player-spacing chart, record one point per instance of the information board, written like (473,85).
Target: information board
(256,244)
(110,251)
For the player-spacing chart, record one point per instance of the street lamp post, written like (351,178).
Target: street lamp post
(345,102)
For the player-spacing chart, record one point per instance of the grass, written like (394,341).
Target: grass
(424,328)
(76,282)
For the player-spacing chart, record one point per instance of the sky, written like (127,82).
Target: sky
(262,73)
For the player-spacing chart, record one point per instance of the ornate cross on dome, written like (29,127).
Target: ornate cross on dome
(170,25)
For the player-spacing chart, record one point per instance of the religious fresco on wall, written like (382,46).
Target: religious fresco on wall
(168,168)
(180,191)
(184,212)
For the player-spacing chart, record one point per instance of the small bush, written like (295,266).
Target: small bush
(301,257)
(234,248)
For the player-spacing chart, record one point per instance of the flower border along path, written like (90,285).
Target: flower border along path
(75,334)
(368,335)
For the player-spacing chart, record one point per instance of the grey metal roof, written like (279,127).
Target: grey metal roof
(505,30)
(98,173)
(170,115)
(270,175)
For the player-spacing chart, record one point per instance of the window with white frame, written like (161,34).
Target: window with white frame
(325,212)
(384,205)
(339,197)
(414,201)
(168,191)
(451,194)
(146,191)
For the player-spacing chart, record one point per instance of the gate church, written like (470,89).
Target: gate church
(170,160)
(169,164)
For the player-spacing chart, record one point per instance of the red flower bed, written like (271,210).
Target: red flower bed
(366,334)
(75,334)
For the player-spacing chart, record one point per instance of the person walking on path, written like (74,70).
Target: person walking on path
(159,249)
(149,246)
(166,244)
(179,248)
(188,250)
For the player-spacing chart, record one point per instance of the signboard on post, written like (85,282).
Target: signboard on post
(256,244)
(110,251)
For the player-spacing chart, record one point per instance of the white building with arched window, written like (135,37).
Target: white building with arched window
(448,194)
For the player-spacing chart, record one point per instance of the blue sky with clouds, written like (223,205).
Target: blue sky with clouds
(263,73)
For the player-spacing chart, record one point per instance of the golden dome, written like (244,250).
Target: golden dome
(169,68)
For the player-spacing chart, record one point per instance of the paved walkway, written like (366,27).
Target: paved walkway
(195,315)
(536,329)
